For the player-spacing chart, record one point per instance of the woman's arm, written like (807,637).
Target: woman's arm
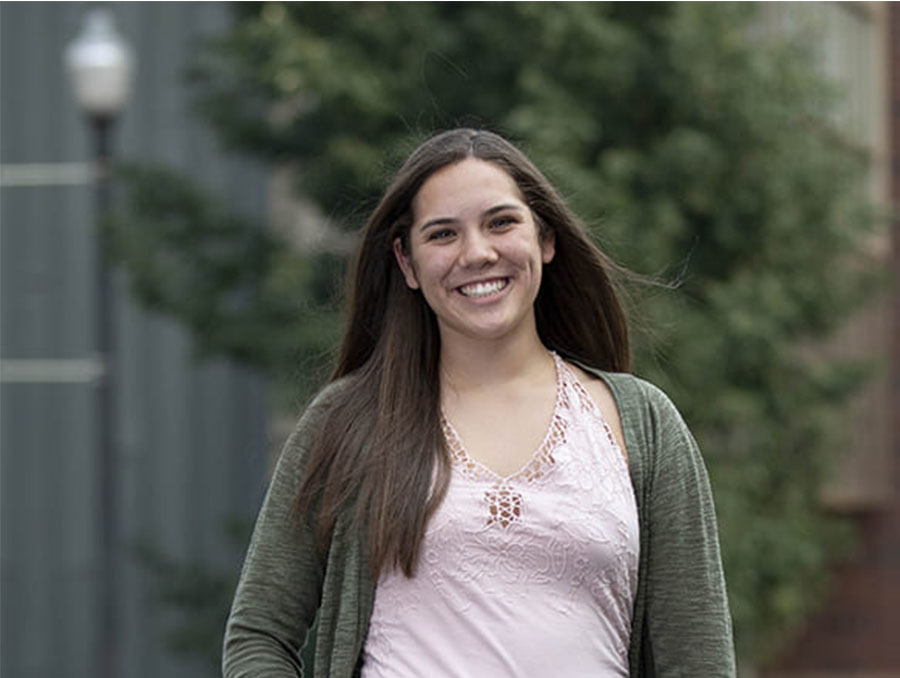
(688,629)
(280,585)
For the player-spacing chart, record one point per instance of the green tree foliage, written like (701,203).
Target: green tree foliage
(241,289)
(698,148)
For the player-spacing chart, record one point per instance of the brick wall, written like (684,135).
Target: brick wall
(857,633)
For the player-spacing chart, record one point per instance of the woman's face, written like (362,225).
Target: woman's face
(475,252)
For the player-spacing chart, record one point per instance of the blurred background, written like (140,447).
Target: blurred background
(181,188)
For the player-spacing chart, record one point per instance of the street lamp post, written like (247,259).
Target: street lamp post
(100,66)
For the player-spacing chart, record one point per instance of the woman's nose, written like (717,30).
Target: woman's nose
(477,250)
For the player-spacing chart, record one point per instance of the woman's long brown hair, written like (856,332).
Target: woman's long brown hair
(380,447)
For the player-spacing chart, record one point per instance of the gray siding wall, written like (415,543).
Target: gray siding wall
(190,437)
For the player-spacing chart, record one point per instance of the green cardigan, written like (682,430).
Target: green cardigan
(681,625)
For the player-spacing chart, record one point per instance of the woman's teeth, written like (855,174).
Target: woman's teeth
(482,289)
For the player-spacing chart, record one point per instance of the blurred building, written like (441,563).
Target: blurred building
(856,633)
(190,437)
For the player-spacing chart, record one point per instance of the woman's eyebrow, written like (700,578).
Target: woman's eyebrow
(502,208)
(439,221)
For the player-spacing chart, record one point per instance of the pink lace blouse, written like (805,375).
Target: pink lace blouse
(532,574)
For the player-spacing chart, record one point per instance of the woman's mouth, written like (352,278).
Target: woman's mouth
(483,288)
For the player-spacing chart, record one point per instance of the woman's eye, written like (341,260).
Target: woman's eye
(502,222)
(440,234)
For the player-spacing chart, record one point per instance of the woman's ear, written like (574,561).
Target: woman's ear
(405,263)
(548,246)
(546,238)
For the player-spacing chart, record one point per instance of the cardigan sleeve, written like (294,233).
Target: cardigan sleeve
(687,621)
(280,585)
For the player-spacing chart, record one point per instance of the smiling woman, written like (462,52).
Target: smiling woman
(475,252)
(483,489)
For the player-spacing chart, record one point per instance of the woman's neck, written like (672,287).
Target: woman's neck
(478,365)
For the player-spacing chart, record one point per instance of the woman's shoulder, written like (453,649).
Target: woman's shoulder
(658,437)
(331,392)
(339,390)
(316,410)
(644,409)
(628,390)
(604,398)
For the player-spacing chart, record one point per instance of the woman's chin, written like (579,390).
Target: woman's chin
(484,328)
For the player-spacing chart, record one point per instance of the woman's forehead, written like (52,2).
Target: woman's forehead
(468,187)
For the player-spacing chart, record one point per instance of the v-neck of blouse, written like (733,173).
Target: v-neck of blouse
(540,461)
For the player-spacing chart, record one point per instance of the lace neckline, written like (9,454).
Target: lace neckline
(541,459)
